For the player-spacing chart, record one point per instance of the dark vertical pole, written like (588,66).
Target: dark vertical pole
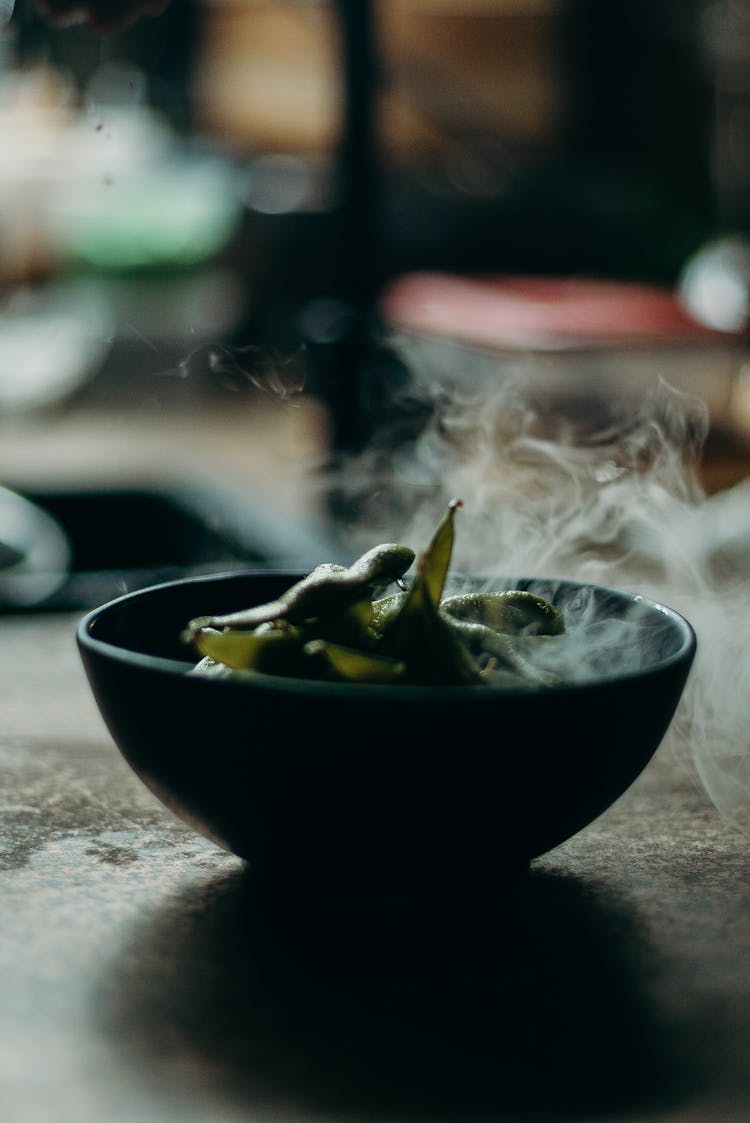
(358,185)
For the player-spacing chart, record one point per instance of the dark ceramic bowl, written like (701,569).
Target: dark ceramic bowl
(390,783)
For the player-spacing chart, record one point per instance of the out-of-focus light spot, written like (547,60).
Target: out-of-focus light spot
(283,184)
(117,84)
(6,11)
(715,285)
(51,342)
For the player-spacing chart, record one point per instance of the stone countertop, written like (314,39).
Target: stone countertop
(147,978)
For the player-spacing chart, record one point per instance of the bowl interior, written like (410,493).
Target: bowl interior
(610,633)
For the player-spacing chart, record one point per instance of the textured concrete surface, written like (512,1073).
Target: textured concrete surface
(148,978)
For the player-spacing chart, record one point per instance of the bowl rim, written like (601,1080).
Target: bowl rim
(161,665)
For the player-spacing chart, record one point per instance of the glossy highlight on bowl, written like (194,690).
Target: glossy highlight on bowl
(386,783)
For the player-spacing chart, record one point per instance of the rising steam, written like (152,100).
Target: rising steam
(614,501)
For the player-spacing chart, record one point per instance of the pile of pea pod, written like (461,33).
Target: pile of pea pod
(339,623)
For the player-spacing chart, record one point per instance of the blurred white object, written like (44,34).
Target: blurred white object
(52,340)
(35,554)
(715,284)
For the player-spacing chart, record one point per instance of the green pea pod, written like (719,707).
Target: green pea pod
(501,648)
(437,557)
(328,588)
(424,639)
(357,666)
(384,610)
(351,626)
(275,651)
(514,611)
(433,566)
(382,565)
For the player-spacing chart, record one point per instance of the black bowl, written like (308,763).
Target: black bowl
(392,783)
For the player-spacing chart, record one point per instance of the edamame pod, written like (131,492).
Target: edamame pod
(382,565)
(352,626)
(357,666)
(384,610)
(436,559)
(514,611)
(327,588)
(274,651)
(482,640)
(424,639)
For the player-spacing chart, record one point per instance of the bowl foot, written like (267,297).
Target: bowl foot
(389,875)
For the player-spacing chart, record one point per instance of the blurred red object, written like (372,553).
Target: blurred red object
(539,313)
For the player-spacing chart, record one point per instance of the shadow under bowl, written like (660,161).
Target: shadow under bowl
(389,784)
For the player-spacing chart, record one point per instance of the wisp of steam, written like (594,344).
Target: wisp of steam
(618,503)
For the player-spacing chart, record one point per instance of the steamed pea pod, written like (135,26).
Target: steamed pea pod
(432,571)
(328,588)
(434,565)
(352,626)
(514,611)
(273,650)
(484,641)
(415,631)
(431,648)
(384,610)
(352,665)
(437,557)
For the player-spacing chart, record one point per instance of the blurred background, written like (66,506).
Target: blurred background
(230,234)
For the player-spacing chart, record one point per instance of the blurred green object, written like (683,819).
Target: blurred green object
(173,215)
